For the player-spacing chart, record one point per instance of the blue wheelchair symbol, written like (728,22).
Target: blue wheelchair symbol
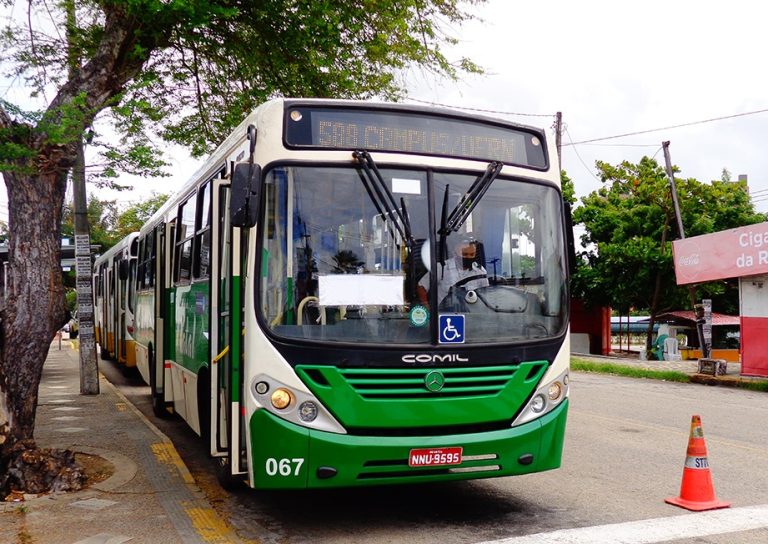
(451,329)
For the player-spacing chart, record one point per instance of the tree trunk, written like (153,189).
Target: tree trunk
(34,306)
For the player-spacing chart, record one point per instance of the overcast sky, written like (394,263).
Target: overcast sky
(613,68)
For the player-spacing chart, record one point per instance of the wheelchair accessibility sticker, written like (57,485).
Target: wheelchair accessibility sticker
(451,329)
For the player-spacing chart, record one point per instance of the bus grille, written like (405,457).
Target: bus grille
(376,384)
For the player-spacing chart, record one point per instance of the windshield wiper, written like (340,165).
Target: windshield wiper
(442,243)
(471,198)
(382,197)
(457,217)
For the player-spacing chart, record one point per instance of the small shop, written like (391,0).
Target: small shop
(736,253)
(726,335)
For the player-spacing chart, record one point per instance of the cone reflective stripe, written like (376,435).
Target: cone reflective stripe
(697,491)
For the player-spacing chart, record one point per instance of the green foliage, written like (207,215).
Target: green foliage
(102,219)
(294,48)
(569,190)
(630,224)
(133,218)
(71,300)
(189,71)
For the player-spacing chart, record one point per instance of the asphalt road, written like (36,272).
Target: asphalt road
(625,448)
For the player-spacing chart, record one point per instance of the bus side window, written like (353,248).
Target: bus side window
(203,233)
(184,237)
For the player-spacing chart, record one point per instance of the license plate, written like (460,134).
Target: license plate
(430,457)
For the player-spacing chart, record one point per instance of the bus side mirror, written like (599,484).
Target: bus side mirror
(244,200)
(123,270)
(569,238)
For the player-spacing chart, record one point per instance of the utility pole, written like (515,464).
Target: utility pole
(681,229)
(559,138)
(89,368)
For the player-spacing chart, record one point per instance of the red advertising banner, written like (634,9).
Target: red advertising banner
(727,254)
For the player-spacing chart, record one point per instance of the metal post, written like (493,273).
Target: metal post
(559,138)
(89,367)
(678,216)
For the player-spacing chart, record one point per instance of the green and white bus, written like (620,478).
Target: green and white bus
(294,305)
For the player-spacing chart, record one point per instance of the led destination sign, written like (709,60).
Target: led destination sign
(373,130)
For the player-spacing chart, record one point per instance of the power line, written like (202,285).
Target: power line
(579,156)
(670,127)
(480,109)
(622,145)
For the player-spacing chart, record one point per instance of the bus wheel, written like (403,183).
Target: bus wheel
(224,475)
(127,371)
(104,354)
(158,400)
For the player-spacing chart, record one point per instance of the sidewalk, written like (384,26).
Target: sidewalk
(150,497)
(732,378)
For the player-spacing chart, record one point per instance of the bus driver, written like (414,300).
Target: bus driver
(463,269)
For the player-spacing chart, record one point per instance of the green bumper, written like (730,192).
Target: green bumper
(287,456)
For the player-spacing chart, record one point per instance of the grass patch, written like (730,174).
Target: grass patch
(629,371)
(754,386)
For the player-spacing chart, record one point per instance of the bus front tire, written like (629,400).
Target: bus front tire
(223,474)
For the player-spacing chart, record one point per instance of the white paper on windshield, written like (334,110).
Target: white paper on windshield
(406,186)
(360,290)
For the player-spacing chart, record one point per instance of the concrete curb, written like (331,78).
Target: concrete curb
(686,367)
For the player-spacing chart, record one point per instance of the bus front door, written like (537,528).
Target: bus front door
(228,424)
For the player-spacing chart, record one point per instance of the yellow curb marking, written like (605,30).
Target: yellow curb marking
(209,525)
(167,454)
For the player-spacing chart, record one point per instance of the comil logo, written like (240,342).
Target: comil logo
(413,358)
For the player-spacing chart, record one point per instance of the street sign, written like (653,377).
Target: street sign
(707,326)
(82,245)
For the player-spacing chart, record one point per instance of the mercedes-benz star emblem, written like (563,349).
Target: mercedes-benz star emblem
(434,381)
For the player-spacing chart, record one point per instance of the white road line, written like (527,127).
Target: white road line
(654,530)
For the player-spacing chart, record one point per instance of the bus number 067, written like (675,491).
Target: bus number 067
(283,467)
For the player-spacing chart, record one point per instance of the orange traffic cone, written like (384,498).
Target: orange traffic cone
(697,492)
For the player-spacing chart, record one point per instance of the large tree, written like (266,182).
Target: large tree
(190,69)
(630,224)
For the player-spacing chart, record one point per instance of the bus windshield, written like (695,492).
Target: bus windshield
(349,258)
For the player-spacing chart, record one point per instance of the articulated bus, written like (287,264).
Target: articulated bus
(352,293)
(114,292)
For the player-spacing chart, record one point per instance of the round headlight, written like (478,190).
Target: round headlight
(281,398)
(308,411)
(262,388)
(538,403)
(555,390)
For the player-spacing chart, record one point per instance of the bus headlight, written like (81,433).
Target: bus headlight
(292,404)
(262,388)
(308,411)
(546,398)
(281,398)
(554,392)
